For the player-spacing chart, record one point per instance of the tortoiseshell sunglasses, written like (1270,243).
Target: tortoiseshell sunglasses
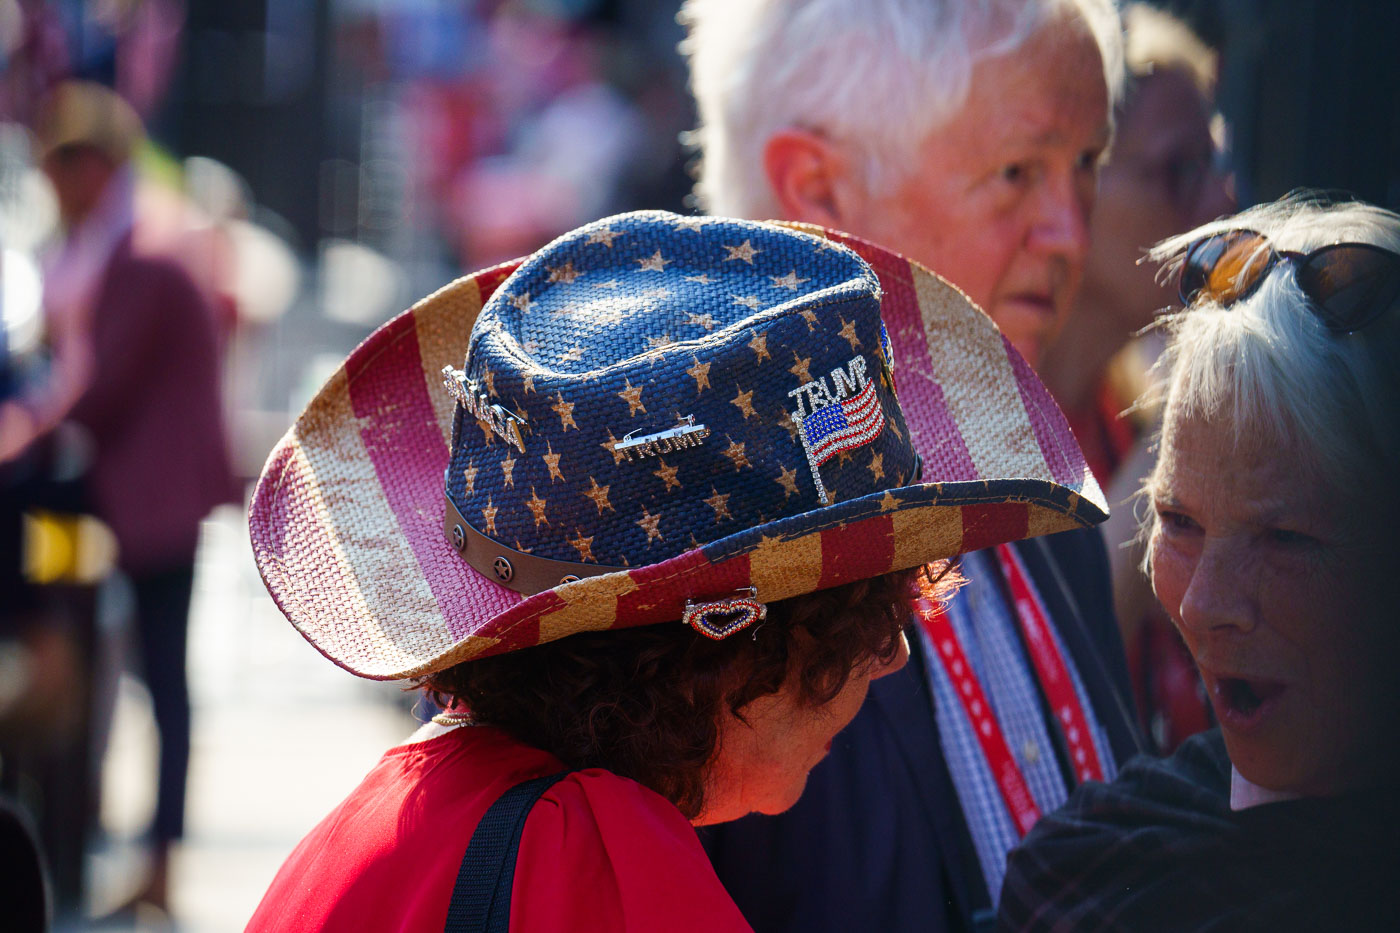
(1349,285)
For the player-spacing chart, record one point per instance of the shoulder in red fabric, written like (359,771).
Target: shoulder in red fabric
(599,852)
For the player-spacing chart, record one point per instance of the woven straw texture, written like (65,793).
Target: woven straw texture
(741,315)
(347,518)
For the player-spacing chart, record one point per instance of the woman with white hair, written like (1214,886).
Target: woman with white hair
(1273,505)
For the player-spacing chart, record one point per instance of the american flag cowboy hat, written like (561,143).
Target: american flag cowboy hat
(652,412)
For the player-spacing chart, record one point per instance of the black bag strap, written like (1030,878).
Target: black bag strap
(481,896)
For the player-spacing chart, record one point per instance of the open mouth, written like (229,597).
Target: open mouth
(1244,702)
(1045,304)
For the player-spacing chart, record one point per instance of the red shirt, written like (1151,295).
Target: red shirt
(599,852)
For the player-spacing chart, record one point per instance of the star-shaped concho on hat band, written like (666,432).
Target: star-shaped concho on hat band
(651,383)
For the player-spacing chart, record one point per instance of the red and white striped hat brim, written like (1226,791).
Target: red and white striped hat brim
(347,518)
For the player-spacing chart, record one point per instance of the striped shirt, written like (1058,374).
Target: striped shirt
(983,619)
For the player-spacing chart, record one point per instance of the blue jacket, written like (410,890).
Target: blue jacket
(878,841)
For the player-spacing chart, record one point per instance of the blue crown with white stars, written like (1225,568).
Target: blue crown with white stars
(650,383)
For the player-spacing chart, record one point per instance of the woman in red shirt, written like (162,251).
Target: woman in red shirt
(683,521)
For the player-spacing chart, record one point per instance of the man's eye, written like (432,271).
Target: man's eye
(1090,160)
(1014,173)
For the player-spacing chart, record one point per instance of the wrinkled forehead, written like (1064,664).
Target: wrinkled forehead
(1251,471)
(1213,444)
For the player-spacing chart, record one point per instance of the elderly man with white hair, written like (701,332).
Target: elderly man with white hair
(967,135)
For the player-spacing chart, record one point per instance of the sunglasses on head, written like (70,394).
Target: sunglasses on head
(1348,285)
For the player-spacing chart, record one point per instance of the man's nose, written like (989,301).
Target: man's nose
(1061,225)
(1218,595)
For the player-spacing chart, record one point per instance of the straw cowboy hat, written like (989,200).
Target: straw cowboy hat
(653,418)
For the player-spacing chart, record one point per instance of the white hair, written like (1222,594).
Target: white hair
(1269,368)
(880,75)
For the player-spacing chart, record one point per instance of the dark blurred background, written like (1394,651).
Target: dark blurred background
(1311,92)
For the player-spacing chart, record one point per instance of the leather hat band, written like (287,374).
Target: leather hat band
(515,570)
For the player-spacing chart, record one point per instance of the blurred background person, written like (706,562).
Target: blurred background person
(1163,176)
(968,137)
(1272,538)
(136,363)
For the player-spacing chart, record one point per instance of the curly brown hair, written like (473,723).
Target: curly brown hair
(645,702)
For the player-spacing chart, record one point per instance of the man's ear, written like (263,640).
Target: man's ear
(810,177)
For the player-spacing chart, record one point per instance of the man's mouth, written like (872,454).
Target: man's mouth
(1042,302)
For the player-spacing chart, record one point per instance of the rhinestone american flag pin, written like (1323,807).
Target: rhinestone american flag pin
(843,415)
